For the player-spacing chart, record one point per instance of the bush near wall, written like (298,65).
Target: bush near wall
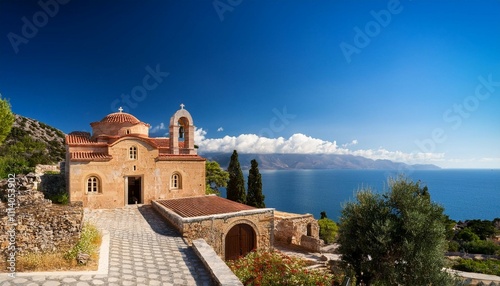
(488,266)
(274,268)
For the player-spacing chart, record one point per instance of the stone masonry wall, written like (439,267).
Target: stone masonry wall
(214,231)
(38,225)
(300,230)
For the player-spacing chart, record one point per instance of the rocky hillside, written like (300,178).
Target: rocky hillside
(29,135)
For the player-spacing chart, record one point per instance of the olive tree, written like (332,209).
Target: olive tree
(394,238)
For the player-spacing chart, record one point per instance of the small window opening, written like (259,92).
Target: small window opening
(133,153)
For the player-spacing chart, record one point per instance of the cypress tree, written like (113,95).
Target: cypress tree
(255,198)
(236,184)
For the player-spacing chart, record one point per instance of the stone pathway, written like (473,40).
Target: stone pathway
(144,250)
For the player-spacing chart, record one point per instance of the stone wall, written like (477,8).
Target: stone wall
(213,229)
(37,224)
(42,169)
(297,229)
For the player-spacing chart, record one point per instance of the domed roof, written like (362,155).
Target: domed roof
(120,117)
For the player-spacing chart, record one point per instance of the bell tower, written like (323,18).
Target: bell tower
(181,130)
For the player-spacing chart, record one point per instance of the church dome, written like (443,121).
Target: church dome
(120,117)
(119,124)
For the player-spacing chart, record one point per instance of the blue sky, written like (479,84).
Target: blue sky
(411,81)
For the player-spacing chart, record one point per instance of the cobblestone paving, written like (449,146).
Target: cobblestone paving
(144,250)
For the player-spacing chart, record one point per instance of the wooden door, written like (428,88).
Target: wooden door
(240,240)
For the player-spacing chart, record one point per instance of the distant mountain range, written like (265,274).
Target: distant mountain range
(53,139)
(314,161)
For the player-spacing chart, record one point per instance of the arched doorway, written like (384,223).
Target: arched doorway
(240,240)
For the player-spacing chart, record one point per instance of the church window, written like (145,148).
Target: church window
(128,131)
(93,185)
(133,153)
(175,181)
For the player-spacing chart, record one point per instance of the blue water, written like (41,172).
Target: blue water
(465,194)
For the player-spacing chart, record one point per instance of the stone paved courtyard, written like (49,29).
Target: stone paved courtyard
(144,250)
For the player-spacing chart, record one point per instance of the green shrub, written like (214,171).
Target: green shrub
(274,268)
(327,230)
(453,246)
(489,266)
(89,242)
(61,198)
(481,247)
(483,228)
(467,234)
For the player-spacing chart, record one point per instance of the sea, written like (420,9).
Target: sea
(464,193)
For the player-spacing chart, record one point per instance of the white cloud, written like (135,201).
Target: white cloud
(353,142)
(220,129)
(157,128)
(302,144)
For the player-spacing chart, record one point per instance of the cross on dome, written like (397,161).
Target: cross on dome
(182,105)
(120,109)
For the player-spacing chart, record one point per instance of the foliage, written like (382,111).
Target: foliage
(450,227)
(466,234)
(323,215)
(236,184)
(473,237)
(453,246)
(13,165)
(483,228)
(255,198)
(481,247)
(215,177)
(395,238)
(61,198)
(22,156)
(488,266)
(6,119)
(274,268)
(90,239)
(327,230)
(22,150)
(61,259)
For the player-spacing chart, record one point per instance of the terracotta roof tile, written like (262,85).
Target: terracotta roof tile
(79,137)
(120,117)
(162,142)
(203,206)
(89,156)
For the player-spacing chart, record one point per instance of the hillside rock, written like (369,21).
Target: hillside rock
(51,137)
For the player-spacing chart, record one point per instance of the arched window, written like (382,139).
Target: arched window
(132,153)
(93,185)
(176,181)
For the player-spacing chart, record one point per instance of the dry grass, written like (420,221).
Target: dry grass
(64,259)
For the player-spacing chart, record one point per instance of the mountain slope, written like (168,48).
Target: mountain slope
(314,161)
(34,141)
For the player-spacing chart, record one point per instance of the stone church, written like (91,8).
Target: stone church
(119,164)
